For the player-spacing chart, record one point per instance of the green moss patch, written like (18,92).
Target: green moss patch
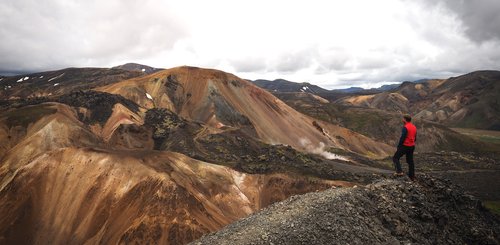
(493,206)
(27,115)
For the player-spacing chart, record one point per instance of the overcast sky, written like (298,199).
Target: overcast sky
(333,44)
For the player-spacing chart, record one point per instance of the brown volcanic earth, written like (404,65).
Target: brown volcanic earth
(161,158)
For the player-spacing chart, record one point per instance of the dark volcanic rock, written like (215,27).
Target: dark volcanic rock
(431,211)
(6,104)
(55,83)
(238,149)
(281,85)
(163,122)
(100,104)
(137,67)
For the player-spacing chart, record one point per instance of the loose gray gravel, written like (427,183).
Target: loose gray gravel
(389,211)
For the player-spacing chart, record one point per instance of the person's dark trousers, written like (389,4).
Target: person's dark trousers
(408,151)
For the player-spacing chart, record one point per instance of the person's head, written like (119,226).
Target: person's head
(406,118)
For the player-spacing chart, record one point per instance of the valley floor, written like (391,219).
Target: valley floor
(491,136)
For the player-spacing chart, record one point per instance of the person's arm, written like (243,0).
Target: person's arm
(403,137)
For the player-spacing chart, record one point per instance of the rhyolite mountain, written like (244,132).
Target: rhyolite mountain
(52,83)
(116,156)
(137,67)
(224,101)
(377,114)
(470,100)
(382,125)
(158,158)
(282,85)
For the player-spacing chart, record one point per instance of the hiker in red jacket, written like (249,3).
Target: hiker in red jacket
(406,146)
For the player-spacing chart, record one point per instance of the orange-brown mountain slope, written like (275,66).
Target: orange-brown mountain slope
(61,183)
(163,158)
(222,100)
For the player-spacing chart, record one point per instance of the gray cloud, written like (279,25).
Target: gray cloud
(334,59)
(423,39)
(478,20)
(293,61)
(480,17)
(248,64)
(39,35)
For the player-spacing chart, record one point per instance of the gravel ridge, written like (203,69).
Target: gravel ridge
(388,211)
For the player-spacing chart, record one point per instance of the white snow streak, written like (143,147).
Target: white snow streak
(56,77)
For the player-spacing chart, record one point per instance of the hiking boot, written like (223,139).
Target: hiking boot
(399,174)
(412,178)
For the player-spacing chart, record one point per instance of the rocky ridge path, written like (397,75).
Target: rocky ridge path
(389,211)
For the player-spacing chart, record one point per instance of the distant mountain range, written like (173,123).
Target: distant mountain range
(281,85)
(137,67)
(285,86)
(471,100)
(51,83)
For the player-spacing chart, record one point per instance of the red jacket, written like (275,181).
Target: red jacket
(409,135)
